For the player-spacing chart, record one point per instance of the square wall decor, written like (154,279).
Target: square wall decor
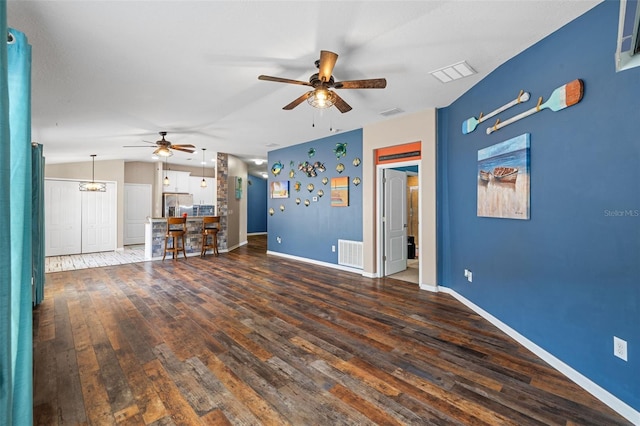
(279,189)
(503,179)
(340,191)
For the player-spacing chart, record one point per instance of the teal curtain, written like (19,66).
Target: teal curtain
(37,221)
(16,301)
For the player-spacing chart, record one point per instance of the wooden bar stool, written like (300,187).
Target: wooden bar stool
(210,227)
(176,228)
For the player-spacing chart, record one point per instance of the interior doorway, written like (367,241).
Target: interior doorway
(411,218)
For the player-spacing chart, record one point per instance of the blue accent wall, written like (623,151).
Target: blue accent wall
(256,205)
(310,231)
(568,278)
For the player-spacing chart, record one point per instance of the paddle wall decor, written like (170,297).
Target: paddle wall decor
(562,97)
(470,124)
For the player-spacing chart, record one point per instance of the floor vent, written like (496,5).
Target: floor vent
(350,253)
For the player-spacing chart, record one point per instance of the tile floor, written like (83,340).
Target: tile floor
(130,254)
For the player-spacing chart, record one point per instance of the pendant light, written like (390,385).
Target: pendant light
(166,178)
(93,186)
(203,184)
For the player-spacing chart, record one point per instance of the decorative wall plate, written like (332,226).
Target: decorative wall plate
(281,207)
(356,181)
(292,173)
(297,186)
(340,168)
(320,192)
(340,150)
(319,166)
(297,200)
(276,168)
(312,152)
(356,161)
(307,202)
(310,187)
(271,211)
(325,180)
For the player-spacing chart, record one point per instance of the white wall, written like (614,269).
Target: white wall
(415,127)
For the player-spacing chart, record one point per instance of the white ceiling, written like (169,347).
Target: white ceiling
(111,73)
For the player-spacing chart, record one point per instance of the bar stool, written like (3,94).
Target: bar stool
(176,228)
(210,227)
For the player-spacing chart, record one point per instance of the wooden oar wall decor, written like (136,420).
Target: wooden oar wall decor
(470,124)
(561,98)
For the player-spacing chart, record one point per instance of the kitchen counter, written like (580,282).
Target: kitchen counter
(154,232)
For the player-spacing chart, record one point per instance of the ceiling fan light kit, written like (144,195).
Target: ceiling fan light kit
(93,186)
(322,81)
(322,98)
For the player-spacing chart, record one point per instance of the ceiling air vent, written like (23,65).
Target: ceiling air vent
(391,111)
(453,72)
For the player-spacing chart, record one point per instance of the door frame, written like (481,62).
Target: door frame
(380,213)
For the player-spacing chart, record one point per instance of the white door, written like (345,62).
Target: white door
(62,224)
(395,221)
(137,207)
(99,220)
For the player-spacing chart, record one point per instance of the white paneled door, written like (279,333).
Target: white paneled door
(137,207)
(99,220)
(395,221)
(62,227)
(78,222)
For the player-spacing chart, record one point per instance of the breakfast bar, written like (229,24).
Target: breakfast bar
(155,230)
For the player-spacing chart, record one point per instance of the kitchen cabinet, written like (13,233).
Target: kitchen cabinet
(178,181)
(202,196)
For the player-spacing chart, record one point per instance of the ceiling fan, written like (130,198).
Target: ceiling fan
(321,96)
(164,147)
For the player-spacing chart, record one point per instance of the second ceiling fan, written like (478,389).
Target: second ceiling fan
(164,147)
(321,96)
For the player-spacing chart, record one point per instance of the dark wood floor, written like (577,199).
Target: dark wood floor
(251,339)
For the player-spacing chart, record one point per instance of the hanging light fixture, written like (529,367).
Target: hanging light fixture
(93,186)
(166,177)
(203,184)
(322,98)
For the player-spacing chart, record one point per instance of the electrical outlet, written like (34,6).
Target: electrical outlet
(466,273)
(333,248)
(279,240)
(620,348)
(470,277)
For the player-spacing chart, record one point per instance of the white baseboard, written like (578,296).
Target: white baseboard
(587,384)
(316,262)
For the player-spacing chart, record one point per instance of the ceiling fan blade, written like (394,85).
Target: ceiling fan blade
(138,146)
(283,80)
(327,62)
(341,104)
(184,148)
(298,101)
(373,83)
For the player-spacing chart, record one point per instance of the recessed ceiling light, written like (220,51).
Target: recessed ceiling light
(453,72)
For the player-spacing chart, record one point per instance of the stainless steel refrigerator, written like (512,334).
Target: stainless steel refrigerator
(176,204)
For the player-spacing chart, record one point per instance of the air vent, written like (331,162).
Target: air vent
(350,253)
(391,111)
(453,72)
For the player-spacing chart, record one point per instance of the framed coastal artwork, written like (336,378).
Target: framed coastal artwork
(279,189)
(504,180)
(340,191)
